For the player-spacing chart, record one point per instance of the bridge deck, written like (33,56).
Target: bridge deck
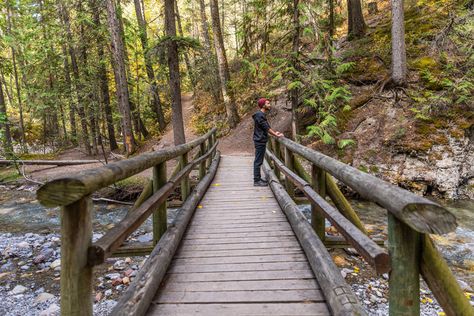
(239,256)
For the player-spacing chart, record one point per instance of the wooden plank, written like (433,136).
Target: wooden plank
(310,284)
(241,229)
(236,222)
(276,225)
(206,235)
(274,309)
(213,215)
(276,296)
(256,245)
(237,252)
(225,267)
(218,241)
(240,276)
(243,259)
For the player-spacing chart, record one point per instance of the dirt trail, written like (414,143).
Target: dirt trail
(238,142)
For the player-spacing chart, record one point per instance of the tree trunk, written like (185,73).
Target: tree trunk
(294,93)
(75,71)
(204,26)
(120,76)
(7,140)
(72,112)
(399,65)
(17,84)
(185,54)
(103,81)
(156,102)
(356,21)
(137,122)
(175,84)
(331,19)
(224,74)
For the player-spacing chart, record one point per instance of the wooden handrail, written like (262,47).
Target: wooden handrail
(419,213)
(78,255)
(113,239)
(410,219)
(66,190)
(372,253)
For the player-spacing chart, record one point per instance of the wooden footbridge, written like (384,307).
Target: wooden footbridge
(234,249)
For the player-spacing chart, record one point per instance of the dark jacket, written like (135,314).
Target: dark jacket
(260,132)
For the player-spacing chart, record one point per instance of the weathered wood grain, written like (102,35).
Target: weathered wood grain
(274,309)
(340,298)
(419,213)
(137,298)
(64,191)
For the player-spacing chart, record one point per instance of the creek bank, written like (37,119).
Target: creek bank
(372,290)
(30,255)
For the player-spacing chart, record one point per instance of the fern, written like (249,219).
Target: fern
(343,143)
(345,67)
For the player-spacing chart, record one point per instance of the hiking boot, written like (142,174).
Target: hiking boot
(260,183)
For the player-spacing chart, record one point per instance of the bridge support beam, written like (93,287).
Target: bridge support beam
(160,216)
(318,182)
(76,274)
(404,246)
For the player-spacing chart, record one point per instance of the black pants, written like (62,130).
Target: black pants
(259,155)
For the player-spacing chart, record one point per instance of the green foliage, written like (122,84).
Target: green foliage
(344,143)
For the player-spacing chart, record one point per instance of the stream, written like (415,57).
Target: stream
(26,223)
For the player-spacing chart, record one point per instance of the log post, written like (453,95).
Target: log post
(183,160)
(146,193)
(202,165)
(275,149)
(342,203)
(289,162)
(404,246)
(317,219)
(160,216)
(441,281)
(76,274)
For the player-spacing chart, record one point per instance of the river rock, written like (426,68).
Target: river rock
(23,245)
(464,286)
(43,297)
(56,263)
(145,238)
(112,276)
(120,265)
(19,289)
(52,310)
(108,293)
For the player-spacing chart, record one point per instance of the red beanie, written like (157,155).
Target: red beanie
(261,102)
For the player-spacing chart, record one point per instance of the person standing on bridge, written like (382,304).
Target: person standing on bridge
(260,138)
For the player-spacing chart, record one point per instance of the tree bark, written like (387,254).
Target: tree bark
(399,65)
(356,21)
(7,140)
(224,74)
(72,111)
(294,93)
(103,82)
(185,54)
(204,26)
(17,84)
(75,71)
(156,105)
(137,122)
(120,76)
(175,84)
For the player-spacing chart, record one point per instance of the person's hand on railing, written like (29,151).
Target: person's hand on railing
(275,133)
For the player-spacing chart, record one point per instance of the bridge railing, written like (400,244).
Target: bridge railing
(73,194)
(411,219)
